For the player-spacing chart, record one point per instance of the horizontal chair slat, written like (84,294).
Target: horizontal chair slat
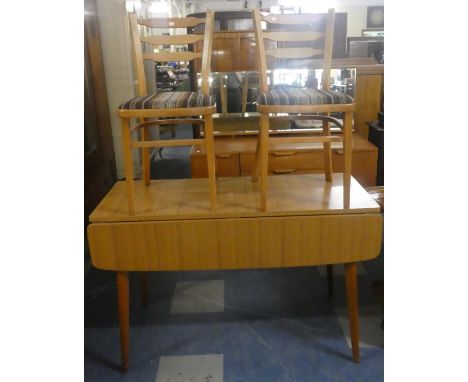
(293,52)
(312,117)
(185,22)
(167,122)
(293,35)
(318,138)
(171,56)
(168,143)
(172,40)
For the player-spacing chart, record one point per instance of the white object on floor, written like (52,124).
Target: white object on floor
(191,368)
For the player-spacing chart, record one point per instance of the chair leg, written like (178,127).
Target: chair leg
(256,168)
(223,93)
(124,316)
(145,157)
(144,288)
(327,153)
(245,90)
(330,279)
(128,161)
(351,294)
(348,151)
(264,127)
(210,158)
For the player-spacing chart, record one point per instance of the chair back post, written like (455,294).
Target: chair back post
(137,54)
(328,49)
(206,54)
(260,51)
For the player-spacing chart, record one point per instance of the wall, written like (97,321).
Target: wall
(118,67)
(115,39)
(357,18)
(356,9)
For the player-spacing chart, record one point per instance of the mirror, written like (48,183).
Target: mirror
(236,94)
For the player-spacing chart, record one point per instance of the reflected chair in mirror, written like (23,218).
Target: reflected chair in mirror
(249,90)
(167,107)
(300,103)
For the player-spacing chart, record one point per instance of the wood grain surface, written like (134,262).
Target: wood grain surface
(182,199)
(241,243)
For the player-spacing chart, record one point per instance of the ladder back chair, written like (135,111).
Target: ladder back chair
(187,107)
(300,103)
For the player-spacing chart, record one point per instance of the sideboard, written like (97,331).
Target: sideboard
(235,157)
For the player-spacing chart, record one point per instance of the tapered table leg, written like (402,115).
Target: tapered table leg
(124,316)
(351,294)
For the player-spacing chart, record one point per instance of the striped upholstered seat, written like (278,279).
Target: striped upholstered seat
(297,96)
(167,100)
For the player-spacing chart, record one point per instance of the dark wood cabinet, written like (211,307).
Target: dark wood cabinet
(99,160)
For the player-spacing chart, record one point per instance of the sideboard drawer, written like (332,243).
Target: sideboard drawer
(236,157)
(285,160)
(227,165)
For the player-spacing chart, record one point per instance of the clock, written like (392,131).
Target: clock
(375,17)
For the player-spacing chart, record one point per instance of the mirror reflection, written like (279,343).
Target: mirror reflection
(236,94)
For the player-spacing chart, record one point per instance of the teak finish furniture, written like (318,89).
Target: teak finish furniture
(368,97)
(174,229)
(182,105)
(235,156)
(311,102)
(173,225)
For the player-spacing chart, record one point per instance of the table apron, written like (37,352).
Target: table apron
(240,243)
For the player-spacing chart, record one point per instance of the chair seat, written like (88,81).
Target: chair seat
(166,100)
(297,96)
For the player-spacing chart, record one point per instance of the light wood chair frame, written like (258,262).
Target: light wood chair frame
(192,115)
(306,111)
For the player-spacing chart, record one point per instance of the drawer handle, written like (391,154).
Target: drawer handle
(223,156)
(283,153)
(284,171)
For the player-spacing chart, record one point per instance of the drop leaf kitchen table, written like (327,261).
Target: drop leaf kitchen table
(174,229)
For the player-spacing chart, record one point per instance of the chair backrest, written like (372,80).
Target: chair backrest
(300,32)
(180,39)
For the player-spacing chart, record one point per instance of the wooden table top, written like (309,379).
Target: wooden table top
(185,199)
